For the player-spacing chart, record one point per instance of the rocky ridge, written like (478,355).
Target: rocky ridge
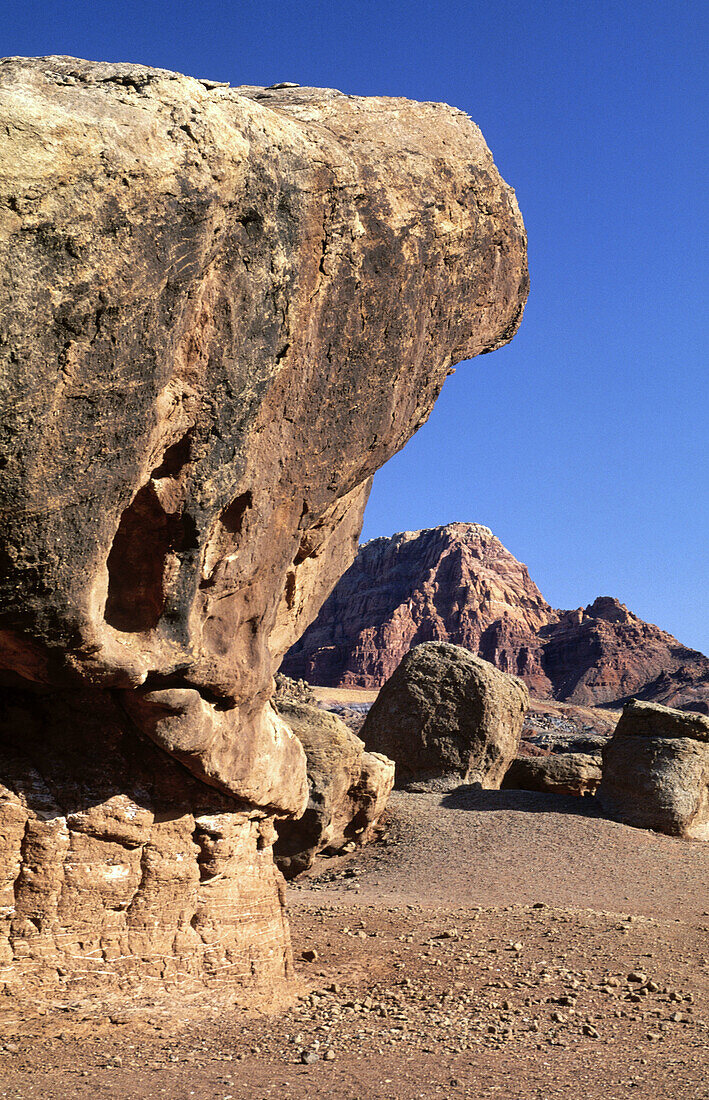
(459,584)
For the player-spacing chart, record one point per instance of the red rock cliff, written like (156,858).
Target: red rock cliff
(459,584)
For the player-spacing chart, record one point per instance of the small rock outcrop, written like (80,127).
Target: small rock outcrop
(575,773)
(459,584)
(656,771)
(447,717)
(221,310)
(348,789)
(293,691)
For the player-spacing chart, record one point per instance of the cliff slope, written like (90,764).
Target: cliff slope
(459,584)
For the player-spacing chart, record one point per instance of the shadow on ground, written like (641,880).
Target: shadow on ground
(474,798)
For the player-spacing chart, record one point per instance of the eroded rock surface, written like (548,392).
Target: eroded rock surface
(222,309)
(115,860)
(576,773)
(447,717)
(348,789)
(459,584)
(656,770)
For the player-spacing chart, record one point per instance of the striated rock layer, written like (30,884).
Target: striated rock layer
(222,309)
(459,584)
(115,860)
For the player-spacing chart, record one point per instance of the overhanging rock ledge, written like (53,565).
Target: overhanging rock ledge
(222,309)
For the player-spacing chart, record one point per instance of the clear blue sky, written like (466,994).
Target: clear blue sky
(583,444)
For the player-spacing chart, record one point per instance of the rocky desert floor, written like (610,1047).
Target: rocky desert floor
(489,944)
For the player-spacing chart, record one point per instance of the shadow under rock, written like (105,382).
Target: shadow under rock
(473,797)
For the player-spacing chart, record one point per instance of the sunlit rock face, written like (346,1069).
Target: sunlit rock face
(455,583)
(656,770)
(222,310)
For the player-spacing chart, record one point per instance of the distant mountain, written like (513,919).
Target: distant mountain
(459,584)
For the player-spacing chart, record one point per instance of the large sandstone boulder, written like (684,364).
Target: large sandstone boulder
(221,310)
(447,717)
(575,773)
(348,789)
(656,770)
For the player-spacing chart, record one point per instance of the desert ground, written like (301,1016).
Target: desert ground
(488,944)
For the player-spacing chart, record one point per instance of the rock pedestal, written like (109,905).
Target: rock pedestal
(221,310)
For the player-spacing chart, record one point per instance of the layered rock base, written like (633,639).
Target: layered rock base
(123,866)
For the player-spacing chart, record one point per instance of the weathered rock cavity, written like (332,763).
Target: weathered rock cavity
(222,310)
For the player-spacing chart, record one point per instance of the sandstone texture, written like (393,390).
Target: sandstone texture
(115,860)
(576,773)
(656,771)
(222,309)
(447,717)
(348,789)
(459,584)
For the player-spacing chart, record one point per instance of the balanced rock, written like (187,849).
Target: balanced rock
(656,770)
(348,789)
(576,773)
(447,717)
(221,310)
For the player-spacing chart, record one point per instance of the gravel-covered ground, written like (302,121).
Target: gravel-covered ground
(492,944)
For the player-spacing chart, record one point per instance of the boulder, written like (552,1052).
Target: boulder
(656,770)
(221,310)
(576,773)
(348,789)
(447,717)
